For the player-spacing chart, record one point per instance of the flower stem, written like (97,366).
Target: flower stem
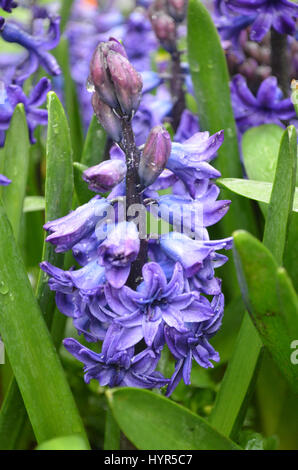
(177,91)
(133,195)
(280,60)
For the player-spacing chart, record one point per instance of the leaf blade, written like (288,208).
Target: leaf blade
(253,189)
(157,428)
(45,391)
(16,167)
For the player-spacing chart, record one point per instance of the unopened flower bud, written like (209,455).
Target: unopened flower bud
(108,119)
(177,9)
(155,156)
(100,78)
(127,82)
(105,176)
(114,79)
(165,30)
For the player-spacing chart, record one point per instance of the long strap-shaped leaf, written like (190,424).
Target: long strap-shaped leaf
(71,99)
(16,164)
(16,167)
(211,85)
(152,422)
(58,191)
(240,368)
(271,301)
(59,188)
(45,391)
(95,143)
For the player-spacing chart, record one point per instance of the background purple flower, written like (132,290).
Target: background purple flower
(279,14)
(8,5)
(13,95)
(266,107)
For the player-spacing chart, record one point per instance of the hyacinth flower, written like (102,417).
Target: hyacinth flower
(278,14)
(118,251)
(105,176)
(4,181)
(69,230)
(118,368)
(188,126)
(37,44)
(156,303)
(189,160)
(191,253)
(151,112)
(230,27)
(134,289)
(265,108)
(194,344)
(139,40)
(13,95)
(8,5)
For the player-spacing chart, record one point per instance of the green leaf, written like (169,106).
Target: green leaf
(277,325)
(95,144)
(34,203)
(260,151)
(281,200)
(12,417)
(58,197)
(65,10)
(73,442)
(16,167)
(225,339)
(256,190)
(71,99)
(211,84)
(210,79)
(83,193)
(275,238)
(45,391)
(161,423)
(58,191)
(112,433)
(239,381)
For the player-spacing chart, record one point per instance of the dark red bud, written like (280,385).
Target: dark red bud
(155,155)
(108,119)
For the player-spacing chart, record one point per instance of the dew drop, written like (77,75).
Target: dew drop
(3,288)
(90,87)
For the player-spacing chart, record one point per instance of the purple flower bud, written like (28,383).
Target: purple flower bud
(105,176)
(177,9)
(116,46)
(118,251)
(100,78)
(114,78)
(108,119)
(165,30)
(155,155)
(127,82)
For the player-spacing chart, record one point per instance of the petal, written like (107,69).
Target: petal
(39,93)
(81,353)
(150,329)
(117,277)
(173,318)
(260,26)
